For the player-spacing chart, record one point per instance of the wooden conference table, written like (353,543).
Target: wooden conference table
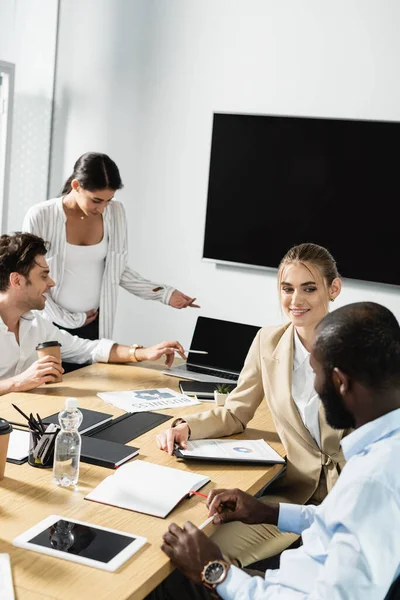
(28,496)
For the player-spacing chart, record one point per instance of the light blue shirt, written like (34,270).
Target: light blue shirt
(351,542)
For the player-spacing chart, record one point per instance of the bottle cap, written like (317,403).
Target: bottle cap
(71,403)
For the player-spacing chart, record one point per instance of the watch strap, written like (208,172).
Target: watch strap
(213,586)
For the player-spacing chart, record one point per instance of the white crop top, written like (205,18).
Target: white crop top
(83,275)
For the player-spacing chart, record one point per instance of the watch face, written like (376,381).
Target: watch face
(214,572)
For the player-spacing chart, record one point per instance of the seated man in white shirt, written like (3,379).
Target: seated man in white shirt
(351,542)
(24,281)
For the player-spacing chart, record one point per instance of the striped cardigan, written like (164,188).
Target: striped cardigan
(48,220)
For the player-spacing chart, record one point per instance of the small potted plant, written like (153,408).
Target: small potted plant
(220,393)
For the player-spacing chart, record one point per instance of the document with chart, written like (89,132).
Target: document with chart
(144,400)
(230,451)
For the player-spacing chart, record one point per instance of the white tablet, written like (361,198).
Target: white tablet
(81,542)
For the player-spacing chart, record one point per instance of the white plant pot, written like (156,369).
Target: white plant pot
(220,398)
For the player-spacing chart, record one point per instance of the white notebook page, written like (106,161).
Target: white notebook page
(147,488)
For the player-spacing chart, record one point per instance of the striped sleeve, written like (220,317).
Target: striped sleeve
(144,288)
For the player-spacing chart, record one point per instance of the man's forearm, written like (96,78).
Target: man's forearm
(7,386)
(119,354)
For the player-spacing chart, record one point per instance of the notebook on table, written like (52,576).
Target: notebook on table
(147,488)
(92,419)
(226,345)
(104,453)
(18,447)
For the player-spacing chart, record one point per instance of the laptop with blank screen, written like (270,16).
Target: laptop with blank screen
(226,345)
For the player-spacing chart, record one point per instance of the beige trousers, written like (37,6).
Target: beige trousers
(243,544)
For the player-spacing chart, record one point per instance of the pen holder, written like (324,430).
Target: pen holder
(41,449)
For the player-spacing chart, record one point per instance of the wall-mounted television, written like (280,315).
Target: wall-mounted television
(277,181)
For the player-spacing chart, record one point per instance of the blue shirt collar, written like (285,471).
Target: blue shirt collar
(371,432)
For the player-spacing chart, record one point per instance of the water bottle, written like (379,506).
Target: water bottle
(67,450)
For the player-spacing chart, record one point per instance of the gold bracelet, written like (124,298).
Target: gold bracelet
(131,352)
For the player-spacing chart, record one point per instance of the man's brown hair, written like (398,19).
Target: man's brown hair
(17,255)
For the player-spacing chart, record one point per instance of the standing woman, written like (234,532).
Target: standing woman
(88,255)
(278,369)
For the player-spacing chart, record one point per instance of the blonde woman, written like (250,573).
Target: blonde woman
(277,368)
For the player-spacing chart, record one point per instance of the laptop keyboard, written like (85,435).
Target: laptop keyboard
(213,372)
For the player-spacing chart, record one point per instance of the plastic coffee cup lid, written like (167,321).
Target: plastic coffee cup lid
(47,345)
(5,427)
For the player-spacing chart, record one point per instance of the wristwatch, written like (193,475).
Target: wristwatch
(214,573)
(131,352)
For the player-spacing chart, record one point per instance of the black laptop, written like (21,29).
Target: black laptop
(226,344)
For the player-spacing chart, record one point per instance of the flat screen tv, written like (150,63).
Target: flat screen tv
(278,181)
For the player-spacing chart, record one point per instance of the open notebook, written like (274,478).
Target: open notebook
(147,488)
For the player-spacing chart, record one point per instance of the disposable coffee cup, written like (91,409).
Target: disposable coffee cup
(50,349)
(5,430)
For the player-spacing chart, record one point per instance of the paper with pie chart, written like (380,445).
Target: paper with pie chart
(231,450)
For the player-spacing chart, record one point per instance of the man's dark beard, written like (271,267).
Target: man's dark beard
(337,415)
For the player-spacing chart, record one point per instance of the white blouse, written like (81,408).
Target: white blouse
(83,274)
(48,220)
(303,393)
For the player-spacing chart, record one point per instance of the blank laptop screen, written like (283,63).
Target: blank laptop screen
(227,344)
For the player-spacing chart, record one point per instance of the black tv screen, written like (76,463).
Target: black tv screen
(278,181)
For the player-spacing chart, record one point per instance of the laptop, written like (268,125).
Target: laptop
(226,344)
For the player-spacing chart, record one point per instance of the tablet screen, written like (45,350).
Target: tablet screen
(82,540)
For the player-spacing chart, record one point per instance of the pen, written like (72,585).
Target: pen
(41,423)
(20,412)
(198,494)
(206,522)
(194,351)
(19,424)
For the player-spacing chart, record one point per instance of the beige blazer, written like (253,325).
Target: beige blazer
(267,372)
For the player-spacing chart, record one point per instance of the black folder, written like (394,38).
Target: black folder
(129,426)
(92,419)
(104,453)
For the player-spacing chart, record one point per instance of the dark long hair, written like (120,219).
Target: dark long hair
(94,171)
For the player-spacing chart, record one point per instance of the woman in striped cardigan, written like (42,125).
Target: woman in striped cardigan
(87,232)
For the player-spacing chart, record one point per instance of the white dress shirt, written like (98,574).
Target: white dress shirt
(351,542)
(303,393)
(34,329)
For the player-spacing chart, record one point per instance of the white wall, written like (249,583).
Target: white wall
(28,39)
(141,81)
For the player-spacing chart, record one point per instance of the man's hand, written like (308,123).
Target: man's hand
(235,505)
(180,300)
(155,352)
(91,315)
(173,435)
(189,549)
(43,370)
